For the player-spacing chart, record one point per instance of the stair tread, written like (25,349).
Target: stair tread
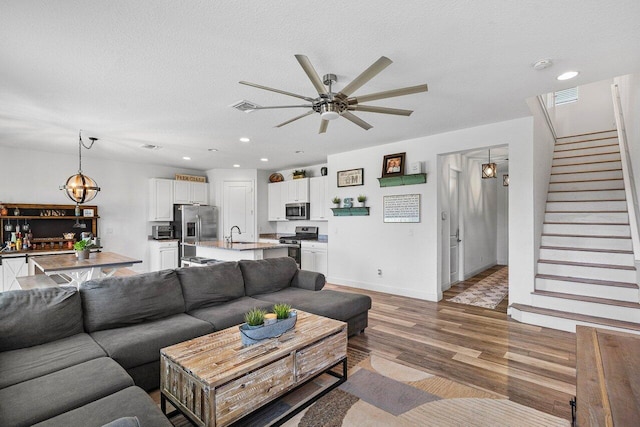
(588,133)
(586,201)
(585,148)
(565,248)
(588,264)
(587,163)
(587,155)
(587,180)
(579,317)
(587,236)
(586,223)
(587,281)
(627,304)
(586,140)
(586,171)
(581,191)
(586,211)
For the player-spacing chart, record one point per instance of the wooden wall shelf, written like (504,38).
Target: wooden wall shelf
(358,211)
(394,181)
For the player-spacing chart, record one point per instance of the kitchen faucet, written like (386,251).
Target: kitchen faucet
(231,233)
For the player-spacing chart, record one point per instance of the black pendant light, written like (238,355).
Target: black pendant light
(79,187)
(489,170)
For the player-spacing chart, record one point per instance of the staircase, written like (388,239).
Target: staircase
(586,269)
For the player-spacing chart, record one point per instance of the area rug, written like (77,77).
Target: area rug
(488,292)
(380,392)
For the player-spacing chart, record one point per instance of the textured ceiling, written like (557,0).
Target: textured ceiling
(165,72)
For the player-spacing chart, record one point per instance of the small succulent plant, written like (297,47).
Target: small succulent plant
(282,310)
(336,200)
(255,317)
(362,198)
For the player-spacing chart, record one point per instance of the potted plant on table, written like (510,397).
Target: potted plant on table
(261,325)
(254,318)
(82,249)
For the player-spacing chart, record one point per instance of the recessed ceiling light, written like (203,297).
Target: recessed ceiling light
(264,159)
(213,149)
(244,139)
(299,152)
(568,75)
(236,166)
(186,158)
(150,147)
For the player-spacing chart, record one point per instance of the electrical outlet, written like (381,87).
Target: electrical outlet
(379,272)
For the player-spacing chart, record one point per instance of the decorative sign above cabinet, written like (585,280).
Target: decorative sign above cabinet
(192,178)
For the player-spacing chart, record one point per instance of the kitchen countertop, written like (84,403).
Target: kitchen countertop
(240,246)
(39,252)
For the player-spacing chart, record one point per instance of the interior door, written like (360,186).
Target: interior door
(454,227)
(238,209)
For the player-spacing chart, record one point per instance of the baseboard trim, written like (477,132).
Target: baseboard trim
(405,292)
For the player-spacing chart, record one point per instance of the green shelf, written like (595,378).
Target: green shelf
(362,211)
(394,181)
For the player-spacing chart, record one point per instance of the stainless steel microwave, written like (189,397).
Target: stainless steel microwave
(160,232)
(297,210)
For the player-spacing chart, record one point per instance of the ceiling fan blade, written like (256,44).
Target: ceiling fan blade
(383,110)
(388,94)
(366,75)
(323,126)
(357,120)
(312,74)
(284,92)
(284,106)
(295,118)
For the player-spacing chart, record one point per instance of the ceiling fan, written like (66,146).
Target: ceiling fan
(332,105)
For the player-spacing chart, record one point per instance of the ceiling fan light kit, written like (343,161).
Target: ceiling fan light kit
(332,105)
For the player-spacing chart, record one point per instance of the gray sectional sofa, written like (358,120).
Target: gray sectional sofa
(70,357)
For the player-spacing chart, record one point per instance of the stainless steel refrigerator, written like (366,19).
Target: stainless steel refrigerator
(192,224)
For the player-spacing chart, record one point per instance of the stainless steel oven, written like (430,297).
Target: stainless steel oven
(294,242)
(295,211)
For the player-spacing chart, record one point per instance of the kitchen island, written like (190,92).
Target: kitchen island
(236,251)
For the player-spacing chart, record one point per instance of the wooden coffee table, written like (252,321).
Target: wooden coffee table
(214,380)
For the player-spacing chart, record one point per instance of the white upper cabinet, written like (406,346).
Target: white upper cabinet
(160,199)
(319,198)
(190,193)
(298,190)
(278,193)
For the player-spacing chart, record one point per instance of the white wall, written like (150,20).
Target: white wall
(629,88)
(502,216)
(408,254)
(123,202)
(593,112)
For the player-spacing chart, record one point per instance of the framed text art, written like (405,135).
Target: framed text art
(393,165)
(401,208)
(351,177)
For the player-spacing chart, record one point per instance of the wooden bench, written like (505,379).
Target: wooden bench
(42,281)
(608,378)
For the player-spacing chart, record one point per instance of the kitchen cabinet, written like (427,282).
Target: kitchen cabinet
(163,255)
(11,268)
(160,199)
(319,199)
(298,190)
(314,257)
(190,193)
(277,194)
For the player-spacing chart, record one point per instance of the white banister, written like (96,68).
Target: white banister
(629,187)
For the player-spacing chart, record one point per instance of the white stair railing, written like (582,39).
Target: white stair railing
(627,173)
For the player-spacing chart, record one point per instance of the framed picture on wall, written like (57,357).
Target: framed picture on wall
(351,177)
(393,165)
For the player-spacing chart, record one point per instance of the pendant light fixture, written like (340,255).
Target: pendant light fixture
(79,187)
(489,170)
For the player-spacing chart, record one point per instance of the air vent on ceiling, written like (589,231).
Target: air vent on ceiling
(150,147)
(245,106)
(566,96)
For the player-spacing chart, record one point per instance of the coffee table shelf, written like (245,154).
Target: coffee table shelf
(215,381)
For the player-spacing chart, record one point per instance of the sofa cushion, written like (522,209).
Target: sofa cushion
(113,302)
(310,280)
(141,343)
(130,402)
(211,285)
(37,316)
(27,363)
(231,313)
(336,305)
(267,275)
(44,397)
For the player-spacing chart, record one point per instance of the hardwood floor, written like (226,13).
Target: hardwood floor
(530,365)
